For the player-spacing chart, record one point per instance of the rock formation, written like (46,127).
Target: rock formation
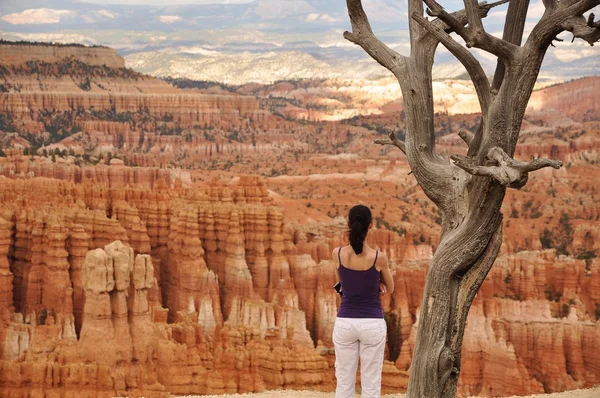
(208,285)
(85,289)
(19,54)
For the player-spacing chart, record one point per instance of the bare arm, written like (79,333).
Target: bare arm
(386,274)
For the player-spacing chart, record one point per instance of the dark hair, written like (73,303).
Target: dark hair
(359,219)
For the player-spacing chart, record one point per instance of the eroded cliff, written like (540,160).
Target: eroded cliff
(124,290)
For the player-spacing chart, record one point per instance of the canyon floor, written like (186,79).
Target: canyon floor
(588,393)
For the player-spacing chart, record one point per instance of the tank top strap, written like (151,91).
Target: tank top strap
(376,257)
(339,258)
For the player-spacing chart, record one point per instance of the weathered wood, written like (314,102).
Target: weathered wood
(392,140)
(469,192)
(513,33)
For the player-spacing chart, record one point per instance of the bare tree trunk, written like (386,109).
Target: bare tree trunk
(470,192)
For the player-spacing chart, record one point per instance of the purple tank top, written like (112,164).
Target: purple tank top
(360,298)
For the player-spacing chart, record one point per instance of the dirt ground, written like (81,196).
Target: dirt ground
(590,393)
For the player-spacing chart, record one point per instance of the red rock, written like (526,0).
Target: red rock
(19,54)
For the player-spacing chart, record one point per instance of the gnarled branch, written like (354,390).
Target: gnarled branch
(514,27)
(413,28)
(473,67)
(363,35)
(454,23)
(586,30)
(393,140)
(507,171)
(466,136)
(557,39)
(461,15)
(565,15)
(475,35)
(590,21)
(479,38)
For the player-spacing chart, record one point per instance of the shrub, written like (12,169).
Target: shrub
(43,316)
(546,239)
(552,294)
(586,254)
(85,84)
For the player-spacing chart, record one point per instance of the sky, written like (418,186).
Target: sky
(155,31)
(163,3)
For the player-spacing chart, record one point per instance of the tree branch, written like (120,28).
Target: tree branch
(590,21)
(507,171)
(514,25)
(461,15)
(452,20)
(475,23)
(473,67)
(413,29)
(565,15)
(475,35)
(393,140)
(485,41)
(466,136)
(586,30)
(363,35)
(455,22)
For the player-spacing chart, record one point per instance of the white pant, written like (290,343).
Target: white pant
(354,337)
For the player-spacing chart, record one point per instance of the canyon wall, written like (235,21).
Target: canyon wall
(113,175)
(18,54)
(568,102)
(127,290)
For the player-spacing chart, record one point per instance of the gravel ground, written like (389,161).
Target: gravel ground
(591,393)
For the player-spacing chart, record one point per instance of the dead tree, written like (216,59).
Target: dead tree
(468,190)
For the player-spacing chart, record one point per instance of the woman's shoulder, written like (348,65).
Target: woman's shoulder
(337,250)
(382,260)
(336,254)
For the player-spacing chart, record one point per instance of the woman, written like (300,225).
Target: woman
(360,329)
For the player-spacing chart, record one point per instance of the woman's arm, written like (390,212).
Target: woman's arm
(386,274)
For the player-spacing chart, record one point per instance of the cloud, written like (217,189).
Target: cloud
(107,14)
(38,16)
(384,12)
(97,16)
(568,52)
(166,2)
(170,19)
(316,17)
(275,9)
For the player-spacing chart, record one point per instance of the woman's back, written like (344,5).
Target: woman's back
(360,329)
(359,278)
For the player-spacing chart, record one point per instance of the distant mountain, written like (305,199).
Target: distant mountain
(199,63)
(240,41)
